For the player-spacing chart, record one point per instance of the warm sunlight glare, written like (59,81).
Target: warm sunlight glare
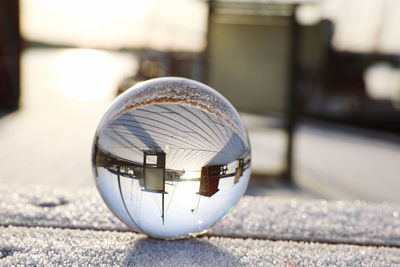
(191,174)
(161,24)
(85,74)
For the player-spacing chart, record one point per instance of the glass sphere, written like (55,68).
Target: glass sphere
(171,157)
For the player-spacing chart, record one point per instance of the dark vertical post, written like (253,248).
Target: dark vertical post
(161,164)
(206,53)
(291,109)
(162,204)
(10,48)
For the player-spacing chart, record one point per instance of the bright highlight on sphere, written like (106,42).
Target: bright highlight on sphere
(171,157)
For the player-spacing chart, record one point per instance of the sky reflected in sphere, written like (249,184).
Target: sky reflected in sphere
(171,157)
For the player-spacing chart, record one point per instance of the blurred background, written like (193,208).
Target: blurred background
(316,82)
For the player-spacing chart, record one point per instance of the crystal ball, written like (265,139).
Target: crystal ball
(171,157)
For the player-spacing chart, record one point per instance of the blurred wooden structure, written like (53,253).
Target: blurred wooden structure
(248,58)
(10,50)
(252,57)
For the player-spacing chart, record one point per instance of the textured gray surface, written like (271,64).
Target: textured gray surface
(40,246)
(254,217)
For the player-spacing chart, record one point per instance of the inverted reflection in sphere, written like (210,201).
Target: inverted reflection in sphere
(171,157)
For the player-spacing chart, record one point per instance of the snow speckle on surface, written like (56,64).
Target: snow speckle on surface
(273,218)
(47,246)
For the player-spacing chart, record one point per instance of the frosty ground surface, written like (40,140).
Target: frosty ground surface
(42,225)
(45,246)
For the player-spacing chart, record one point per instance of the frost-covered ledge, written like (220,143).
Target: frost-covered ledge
(351,222)
(47,246)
